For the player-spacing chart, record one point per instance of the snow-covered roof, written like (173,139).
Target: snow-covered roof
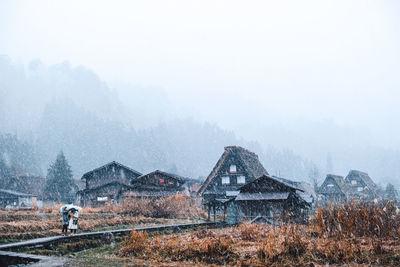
(15,193)
(263,196)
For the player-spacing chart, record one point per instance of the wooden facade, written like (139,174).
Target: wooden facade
(236,167)
(269,199)
(106,184)
(361,186)
(333,189)
(357,186)
(13,199)
(157,184)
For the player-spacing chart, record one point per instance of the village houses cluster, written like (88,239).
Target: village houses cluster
(239,187)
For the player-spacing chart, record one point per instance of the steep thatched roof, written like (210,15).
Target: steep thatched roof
(338,180)
(249,160)
(364,177)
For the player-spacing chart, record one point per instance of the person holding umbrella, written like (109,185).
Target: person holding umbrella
(73,221)
(65,219)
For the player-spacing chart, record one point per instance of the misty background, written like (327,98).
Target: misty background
(166,85)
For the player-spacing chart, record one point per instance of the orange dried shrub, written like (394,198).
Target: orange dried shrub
(201,246)
(270,247)
(177,206)
(358,219)
(294,244)
(337,251)
(134,244)
(286,245)
(250,231)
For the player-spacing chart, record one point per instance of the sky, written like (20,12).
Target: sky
(237,63)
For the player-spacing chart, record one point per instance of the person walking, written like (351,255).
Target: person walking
(73,221)
(65,220)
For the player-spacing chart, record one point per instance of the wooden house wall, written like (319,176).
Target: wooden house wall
(217,188)
(365,193)
(158,182)
(109,174)
(357,178)
(8,199)
(284,203)
(332,193)
(239,211)
(15,201)
(113,192)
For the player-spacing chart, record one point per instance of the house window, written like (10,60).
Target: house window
(353,182)
(232,169)
(225,180)
(241,179)
(359,189)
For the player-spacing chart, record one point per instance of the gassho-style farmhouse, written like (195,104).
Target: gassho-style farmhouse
(238,188)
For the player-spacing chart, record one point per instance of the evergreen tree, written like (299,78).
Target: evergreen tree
(391,192)
(59,183)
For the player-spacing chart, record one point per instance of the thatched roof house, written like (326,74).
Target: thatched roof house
(361,186)
(334,189)
(236,167)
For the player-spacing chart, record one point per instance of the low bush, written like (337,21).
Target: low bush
(134,244)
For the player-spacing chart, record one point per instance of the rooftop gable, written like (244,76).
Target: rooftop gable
(337,180)
(87,175)
(265,180)
(107,184)
(363,176)
(171,175)
(249,161)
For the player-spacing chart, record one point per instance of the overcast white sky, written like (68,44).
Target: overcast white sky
(231,61)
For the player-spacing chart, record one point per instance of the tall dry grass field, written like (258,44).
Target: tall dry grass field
(353,234)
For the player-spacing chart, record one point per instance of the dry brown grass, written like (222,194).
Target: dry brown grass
(199,247)
(176,206)
(358,220)
(287,245)
(25,224)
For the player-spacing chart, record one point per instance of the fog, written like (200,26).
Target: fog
(175,81)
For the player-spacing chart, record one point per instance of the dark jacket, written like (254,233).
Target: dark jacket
(65,218)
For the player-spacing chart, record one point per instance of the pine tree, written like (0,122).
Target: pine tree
(60,186)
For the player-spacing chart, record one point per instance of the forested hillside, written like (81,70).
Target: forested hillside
(60,107)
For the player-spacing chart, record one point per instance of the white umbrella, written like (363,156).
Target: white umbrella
(65,208)
(74,207)
(69,207)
